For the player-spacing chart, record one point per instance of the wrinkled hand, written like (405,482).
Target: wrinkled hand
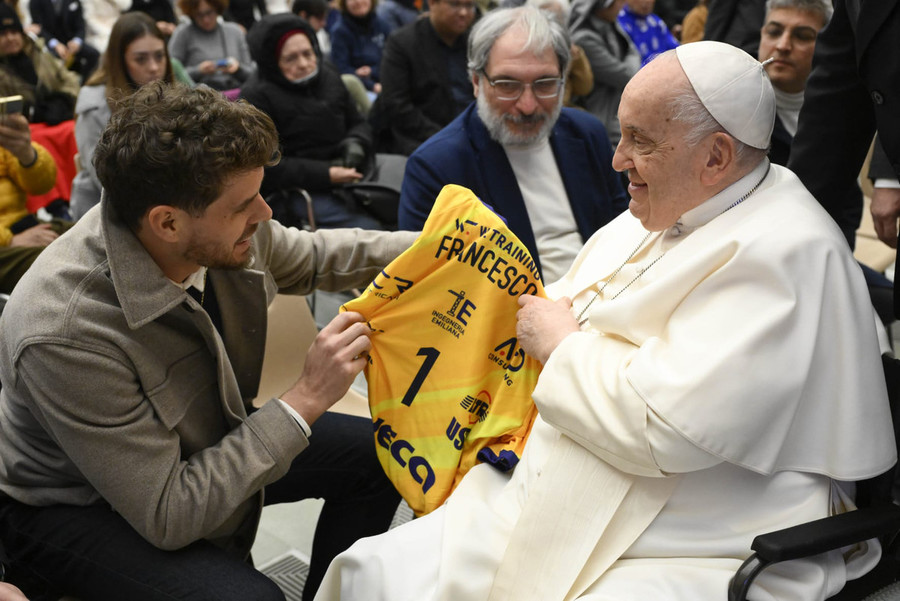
(15,136)
(542,324)
(343,175)
(337,355)
(39,235)
(9,592)
(885,211)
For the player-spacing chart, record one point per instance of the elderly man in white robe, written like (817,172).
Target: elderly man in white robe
(715,375)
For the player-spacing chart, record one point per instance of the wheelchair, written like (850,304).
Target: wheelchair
(877,516)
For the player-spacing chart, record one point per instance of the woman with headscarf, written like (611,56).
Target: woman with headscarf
(136,55)
(324,140)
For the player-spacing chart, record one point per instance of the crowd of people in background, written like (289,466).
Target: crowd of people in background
(365,78)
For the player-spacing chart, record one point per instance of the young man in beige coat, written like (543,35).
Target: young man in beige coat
(129,466)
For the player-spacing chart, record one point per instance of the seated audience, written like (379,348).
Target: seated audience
(324,140)
(648,32)
(788,38)
(357,42)
(132,463)
(214,52)
(543,168)
(25,168)
(579,77)
(136,55)
(61,25)
(423,74)
(695,388)
(397,13)
(28,69)
(613,57)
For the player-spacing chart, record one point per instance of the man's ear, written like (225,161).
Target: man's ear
(475,80)
(165,223)
(720,159)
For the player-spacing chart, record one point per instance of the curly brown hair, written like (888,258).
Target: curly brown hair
(173,145)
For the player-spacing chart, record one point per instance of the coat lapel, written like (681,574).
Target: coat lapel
(571,157)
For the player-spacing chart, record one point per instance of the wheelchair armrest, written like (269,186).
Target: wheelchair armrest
(812,538)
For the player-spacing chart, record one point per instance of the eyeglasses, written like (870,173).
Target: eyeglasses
(512,89)
(467,7)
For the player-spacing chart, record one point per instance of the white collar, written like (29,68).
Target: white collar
(721,202)
(196,279)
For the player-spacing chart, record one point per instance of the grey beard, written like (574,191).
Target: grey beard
(500,133)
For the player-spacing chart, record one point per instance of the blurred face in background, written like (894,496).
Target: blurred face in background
(358,8)
(11,42)
(789,37)
(145,59)
(298,58)
(452,17)
(610,12)
(206,17)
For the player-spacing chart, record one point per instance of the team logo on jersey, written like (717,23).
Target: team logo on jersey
(457,316)
(389,287)
(508,355)
(478,406)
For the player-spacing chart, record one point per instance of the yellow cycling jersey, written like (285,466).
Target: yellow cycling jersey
(449,385)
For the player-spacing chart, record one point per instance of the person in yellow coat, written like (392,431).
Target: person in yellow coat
(25,168)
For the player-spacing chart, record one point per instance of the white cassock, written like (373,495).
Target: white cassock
(722,393)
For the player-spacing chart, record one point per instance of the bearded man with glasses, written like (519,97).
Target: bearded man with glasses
(544,168)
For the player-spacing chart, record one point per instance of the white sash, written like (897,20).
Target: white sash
(581,517)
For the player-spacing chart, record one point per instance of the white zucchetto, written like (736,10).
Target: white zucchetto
(734,88)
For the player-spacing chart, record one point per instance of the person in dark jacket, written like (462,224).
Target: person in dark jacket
(357,42)
(63,29)
(324,140)
(424,77)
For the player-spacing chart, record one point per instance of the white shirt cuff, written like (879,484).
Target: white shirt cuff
(882,182)
(297,417)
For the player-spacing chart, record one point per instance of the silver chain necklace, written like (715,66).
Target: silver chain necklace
(582,320)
